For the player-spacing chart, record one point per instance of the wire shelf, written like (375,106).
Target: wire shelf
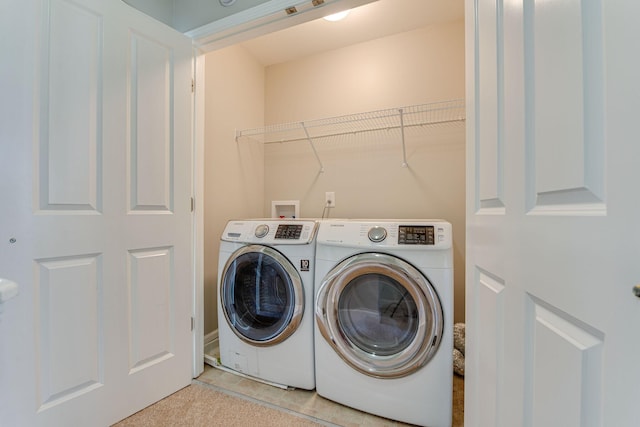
(393,118)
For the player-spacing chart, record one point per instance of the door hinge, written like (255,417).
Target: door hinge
(193,204)
(193,86)
(193,324)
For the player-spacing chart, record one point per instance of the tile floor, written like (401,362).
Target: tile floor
(304,402)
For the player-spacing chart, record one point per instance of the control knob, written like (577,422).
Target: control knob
(261,230)
(377,234)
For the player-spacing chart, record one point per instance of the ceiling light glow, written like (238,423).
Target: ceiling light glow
(337,16)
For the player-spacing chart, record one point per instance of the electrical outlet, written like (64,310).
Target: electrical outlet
(330,199)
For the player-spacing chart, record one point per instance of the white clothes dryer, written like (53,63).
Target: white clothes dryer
(384,318)
(265,300)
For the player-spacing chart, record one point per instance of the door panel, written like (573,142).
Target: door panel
(70,140)
(69,352)
(550,275)
(151,142)
(151,286)
(563,89)
(490,308)
(490,191)
(576,359)
(98,219)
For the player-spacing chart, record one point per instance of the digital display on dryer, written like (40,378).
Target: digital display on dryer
(416,235)
(289,231)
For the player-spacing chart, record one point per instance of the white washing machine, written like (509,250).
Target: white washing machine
(384,318)
(265,300)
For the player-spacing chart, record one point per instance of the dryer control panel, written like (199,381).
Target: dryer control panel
(418,234)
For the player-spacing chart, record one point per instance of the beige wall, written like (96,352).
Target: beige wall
(415,67)
(234,173)
(364,170)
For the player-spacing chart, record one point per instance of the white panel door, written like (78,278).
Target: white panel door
(553,236)
(95,173)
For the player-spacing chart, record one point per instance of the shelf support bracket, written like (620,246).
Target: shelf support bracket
(313,147)
(404,150)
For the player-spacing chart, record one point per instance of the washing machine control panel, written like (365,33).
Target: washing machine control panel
(268,231)
(289,231)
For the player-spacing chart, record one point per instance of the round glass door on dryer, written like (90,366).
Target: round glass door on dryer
(262,295)
(380,315)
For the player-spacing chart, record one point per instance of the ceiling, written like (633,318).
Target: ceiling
(374,20)
(213,26)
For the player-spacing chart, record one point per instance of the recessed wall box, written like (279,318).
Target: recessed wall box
(285,208)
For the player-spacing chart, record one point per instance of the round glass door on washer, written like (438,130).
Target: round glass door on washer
(262,295)
(380,314)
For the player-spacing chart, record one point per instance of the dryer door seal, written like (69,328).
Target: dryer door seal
(262,295)
(380,314)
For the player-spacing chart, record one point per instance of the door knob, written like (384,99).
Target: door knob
(8,290)
(636,290)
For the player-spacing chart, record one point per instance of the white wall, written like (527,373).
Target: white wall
(234,173)
(364,170)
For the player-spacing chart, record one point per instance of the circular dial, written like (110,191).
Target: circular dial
(377,234)
(262,230)
(227,2)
